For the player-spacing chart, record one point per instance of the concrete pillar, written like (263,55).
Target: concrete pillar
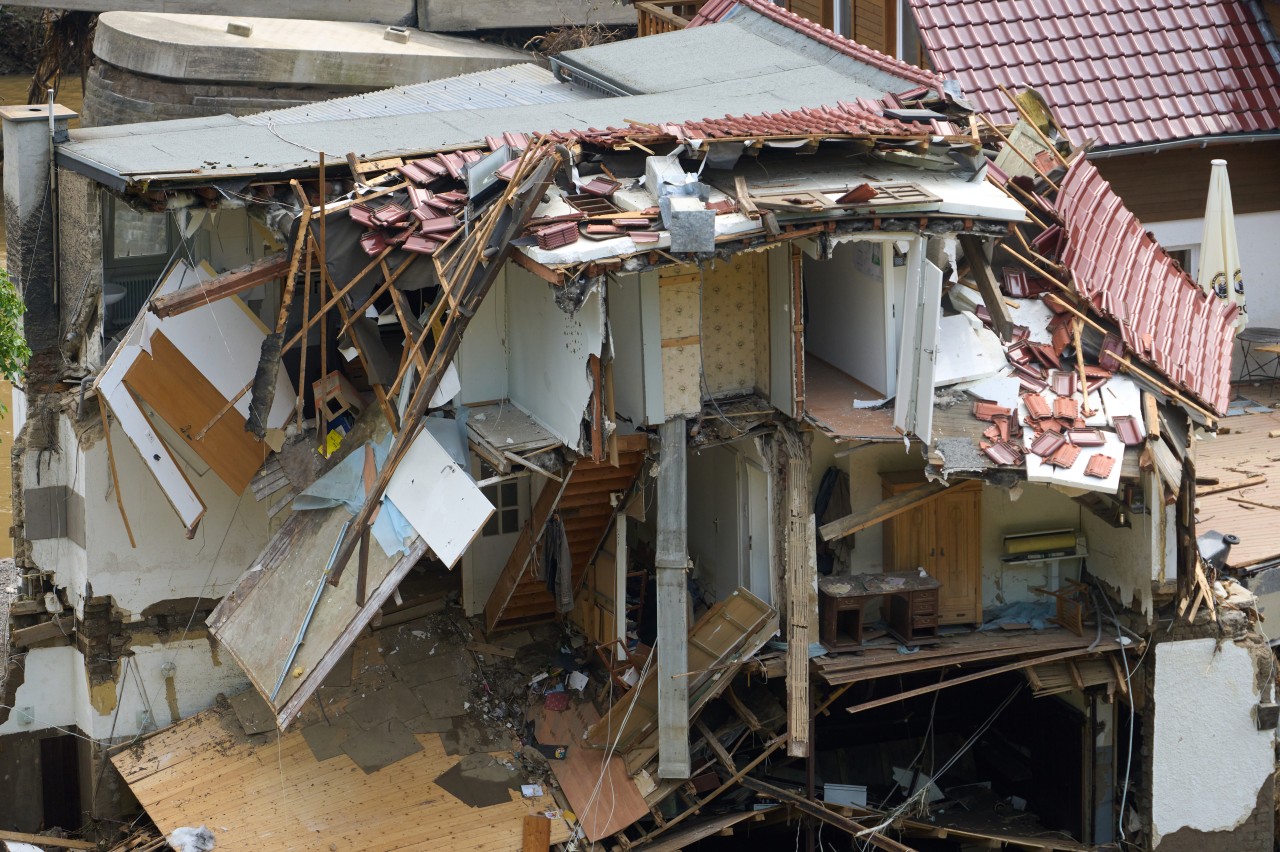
(672,563)
(30,209)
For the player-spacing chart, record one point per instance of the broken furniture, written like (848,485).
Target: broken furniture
(911,598)
(940,535)
(1259,354)
(1069,605)
(334,394)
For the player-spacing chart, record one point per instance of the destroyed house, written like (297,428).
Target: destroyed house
(596,471)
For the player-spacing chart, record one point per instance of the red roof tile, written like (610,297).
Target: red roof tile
(717,10)
(840,119)
(1163,316)
(1123,72)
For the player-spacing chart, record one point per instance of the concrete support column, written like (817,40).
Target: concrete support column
(30,209)
(672,563)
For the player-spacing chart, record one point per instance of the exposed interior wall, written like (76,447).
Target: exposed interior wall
(714,519)
(734,292)
(1037,507)
(1124,558)
(165,565)
(484,560)
(165,683)
(1259,255)
(482,357)
(68,465)
(80,263)
(1208,759)
(845,311)
(548,352)
(636,342)
(782,392)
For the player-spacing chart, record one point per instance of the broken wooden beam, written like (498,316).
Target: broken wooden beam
(230,283)
(881,512)
(41,840)
(52,629)
(976,253)
(817,811)
(1233,485)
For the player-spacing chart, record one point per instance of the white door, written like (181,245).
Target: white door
(757,543)
(485,558)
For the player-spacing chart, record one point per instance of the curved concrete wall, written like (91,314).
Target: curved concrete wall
(151,67)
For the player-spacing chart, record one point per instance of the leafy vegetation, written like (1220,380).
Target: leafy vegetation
(14,351)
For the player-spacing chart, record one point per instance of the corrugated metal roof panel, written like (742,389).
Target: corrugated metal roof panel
(1163,316)
(1127,72)
(498,88)
(717,11)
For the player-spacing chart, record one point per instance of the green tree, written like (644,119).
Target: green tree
(14,351)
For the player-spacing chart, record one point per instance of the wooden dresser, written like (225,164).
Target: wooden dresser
(944,536)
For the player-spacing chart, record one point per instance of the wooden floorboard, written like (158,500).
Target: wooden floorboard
(273,794)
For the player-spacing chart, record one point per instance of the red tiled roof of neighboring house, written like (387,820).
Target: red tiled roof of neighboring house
(1122,72)
(1165,318)
(856,119)
(715,11)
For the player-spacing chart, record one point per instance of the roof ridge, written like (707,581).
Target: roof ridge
(716,11)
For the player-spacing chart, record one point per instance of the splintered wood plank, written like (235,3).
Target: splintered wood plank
(259,619)
(273,793)
(187,401)
(537,834)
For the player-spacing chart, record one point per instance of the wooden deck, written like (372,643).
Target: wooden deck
(1243,454)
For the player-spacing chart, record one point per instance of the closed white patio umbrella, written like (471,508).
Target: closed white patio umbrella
(1219,255)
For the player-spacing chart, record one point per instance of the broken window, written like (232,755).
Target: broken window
(139,246)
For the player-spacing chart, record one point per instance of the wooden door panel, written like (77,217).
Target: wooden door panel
(957,564)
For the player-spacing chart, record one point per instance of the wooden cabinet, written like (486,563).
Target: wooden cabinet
(944,536)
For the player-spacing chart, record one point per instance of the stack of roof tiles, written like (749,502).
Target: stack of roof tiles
(1122,72)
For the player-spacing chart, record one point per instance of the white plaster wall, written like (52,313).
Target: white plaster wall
(845,318)
(69,466)
(55,692)
(1209,760)
(1123,558)
(165,564)
(482,357)
(548,351)
(1037,508)
(1256,235)
(50,692)
(199,674)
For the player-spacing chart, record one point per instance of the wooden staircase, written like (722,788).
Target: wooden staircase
(586,510)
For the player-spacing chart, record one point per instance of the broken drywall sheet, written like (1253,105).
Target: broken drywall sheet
(1075,476)
(548,351)
(967,351)
(439,498)
(222,340)
(1205,696)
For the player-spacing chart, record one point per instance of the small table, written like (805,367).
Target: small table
(912,600)
(1259,353)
